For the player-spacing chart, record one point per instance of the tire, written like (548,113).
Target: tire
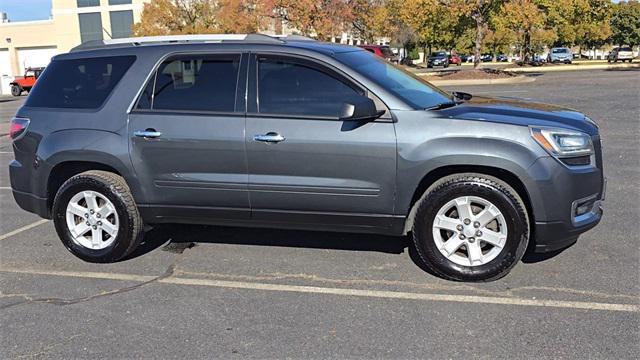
(16,90)
(129,225)
(481,187)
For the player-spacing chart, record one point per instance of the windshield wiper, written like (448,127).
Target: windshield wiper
(443,105)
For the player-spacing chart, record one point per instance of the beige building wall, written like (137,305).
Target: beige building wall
(60,33)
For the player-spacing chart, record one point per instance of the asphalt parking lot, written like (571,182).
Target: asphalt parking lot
(195,292)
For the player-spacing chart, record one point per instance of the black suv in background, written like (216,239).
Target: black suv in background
(250,130)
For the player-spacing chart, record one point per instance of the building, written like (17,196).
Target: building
(27,44)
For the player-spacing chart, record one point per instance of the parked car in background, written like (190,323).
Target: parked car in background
(502,58)
(438,58)
(486,57)
(383,51)
(623,53)
(560,54)
(454,58)
(18,86)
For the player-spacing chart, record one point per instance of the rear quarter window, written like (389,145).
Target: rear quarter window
(78,83)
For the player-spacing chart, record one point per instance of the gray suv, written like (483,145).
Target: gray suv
(251,130)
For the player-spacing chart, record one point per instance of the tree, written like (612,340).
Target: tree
(625,23)
(319,18)
(162,17)
(370,19)
(527,22)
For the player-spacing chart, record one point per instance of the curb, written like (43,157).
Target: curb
(512,80)
(572,68)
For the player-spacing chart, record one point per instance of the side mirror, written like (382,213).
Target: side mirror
(360,109)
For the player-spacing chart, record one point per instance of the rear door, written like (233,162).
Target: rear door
(187,138)
(305,165)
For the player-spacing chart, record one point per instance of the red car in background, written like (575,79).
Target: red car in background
(26,82)
(454,58)
(383,51)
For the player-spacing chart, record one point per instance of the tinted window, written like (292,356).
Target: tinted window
(80,83)
(90,27)
(119,2)
(625,48)
(121,22)
(408,87)
(295,88)
(206,83)
(560,51)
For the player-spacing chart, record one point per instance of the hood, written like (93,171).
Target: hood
(520,112)
(433,57)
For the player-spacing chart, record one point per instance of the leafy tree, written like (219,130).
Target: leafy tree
(319,18)
(625,23)
(370,19)
(527,22)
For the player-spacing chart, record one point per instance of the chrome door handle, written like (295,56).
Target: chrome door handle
(149,133)
(270,137)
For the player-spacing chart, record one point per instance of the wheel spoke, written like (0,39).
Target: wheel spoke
(452,245)
(79,230)
(105,211)
(475,252)
(109,228)
(493,238)
(92,202)
(445,222)
(487,215)
(96,237)
(77,210)
(463,205)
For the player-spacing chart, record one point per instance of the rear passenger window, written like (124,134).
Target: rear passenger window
(205,83)
(78,83)
(291,87)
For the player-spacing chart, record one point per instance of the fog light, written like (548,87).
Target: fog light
(584,207)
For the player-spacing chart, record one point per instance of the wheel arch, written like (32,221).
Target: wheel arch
(436,174)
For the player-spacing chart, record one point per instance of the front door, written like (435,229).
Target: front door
(187,138)
(304,164)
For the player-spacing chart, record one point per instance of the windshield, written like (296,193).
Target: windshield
(408,87)
(560,51)
(439,54)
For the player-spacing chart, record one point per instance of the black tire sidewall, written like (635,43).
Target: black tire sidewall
(16,90)
(119,247)
(515,218)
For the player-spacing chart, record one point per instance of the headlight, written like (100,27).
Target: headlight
(563,143)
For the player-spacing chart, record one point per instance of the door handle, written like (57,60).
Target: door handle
(270,137)
(147,134)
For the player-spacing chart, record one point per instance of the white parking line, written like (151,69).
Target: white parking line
(581,305)
(5,188)
(22,229)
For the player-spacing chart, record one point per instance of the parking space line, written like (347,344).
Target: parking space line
(5,188)
(580,305)
(22,229)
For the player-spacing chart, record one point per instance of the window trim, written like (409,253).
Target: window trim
(322,66)
(132,109)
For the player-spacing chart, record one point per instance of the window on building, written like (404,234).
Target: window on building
(119,2)
(193,83)
(79,83)
(90,27)
(293,88)
(121,22)
(85,3)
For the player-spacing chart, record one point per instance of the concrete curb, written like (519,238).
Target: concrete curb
(512,80)
(572,67)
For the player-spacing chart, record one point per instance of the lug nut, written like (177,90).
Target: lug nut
(472,239)
(462,237)
(88,223)
(467,221)
(94,227)
(476,224)
(98,216)
(459,227)
(478,233)
(99,223)
(91,211)
(86,215)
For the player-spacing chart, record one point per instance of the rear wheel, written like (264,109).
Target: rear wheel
(96,217)
(471,227)
(16,90)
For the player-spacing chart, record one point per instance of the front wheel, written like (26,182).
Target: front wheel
(471,227)
(96,217)
(16,90)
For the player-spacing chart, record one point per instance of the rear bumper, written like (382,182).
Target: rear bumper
(32,203)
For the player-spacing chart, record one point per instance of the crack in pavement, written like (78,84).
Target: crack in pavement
(63,302)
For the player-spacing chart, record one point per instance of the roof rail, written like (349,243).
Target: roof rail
(293,37)
(167,39)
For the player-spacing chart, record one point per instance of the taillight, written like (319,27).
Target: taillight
(18,127)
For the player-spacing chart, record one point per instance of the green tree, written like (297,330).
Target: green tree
(625,23)
(527,22)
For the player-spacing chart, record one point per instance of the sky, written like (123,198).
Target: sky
(25,10)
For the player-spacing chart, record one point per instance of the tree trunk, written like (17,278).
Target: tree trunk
(527,46)
(478,41)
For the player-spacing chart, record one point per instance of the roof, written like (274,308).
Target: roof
(296,41)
